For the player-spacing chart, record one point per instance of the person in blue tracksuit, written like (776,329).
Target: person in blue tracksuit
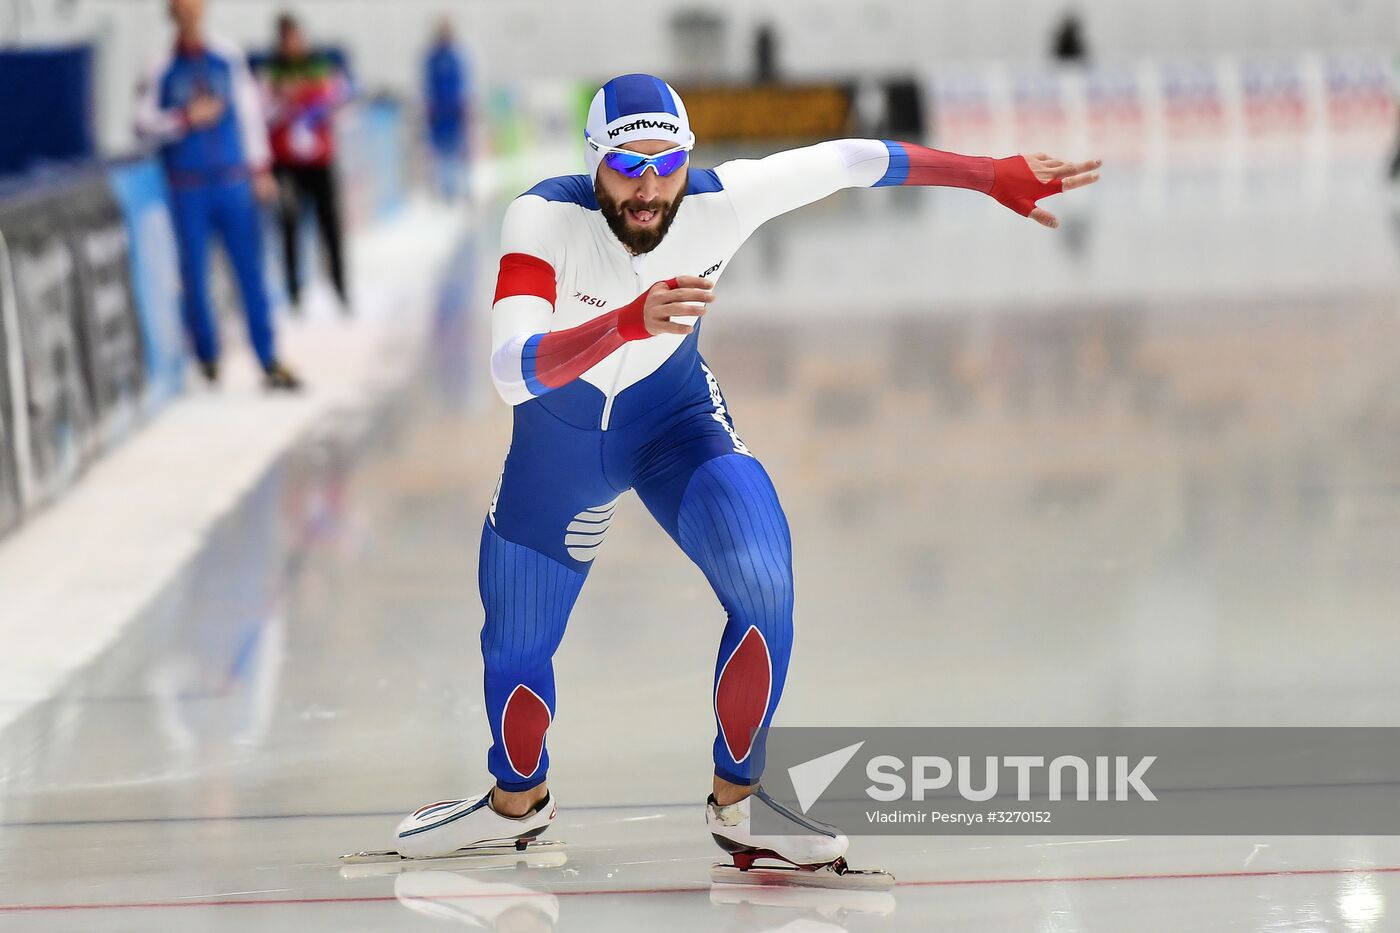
(201,105)
(445,92)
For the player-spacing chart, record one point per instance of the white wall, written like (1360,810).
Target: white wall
(517,39)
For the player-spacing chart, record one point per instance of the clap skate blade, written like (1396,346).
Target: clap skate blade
(500,847)
(535,858)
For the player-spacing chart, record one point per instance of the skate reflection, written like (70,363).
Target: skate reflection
(508,908)
(754,908)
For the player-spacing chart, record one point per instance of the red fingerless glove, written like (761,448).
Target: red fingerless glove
(1015,185)
(631,324)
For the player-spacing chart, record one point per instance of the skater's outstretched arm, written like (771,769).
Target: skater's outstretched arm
(761,189)
(528,359)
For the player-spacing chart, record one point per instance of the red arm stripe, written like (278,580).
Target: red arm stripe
(947,169)
(523,274)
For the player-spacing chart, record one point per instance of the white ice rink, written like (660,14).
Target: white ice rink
(1149,474)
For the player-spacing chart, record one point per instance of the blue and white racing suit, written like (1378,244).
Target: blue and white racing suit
(647,414)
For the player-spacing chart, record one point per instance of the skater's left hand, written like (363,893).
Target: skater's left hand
(1022,180)
(265,186)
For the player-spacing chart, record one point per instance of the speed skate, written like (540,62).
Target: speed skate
(465,828)
(795,849)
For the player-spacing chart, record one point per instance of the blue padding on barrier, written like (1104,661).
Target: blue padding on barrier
(140,189)
(383,154)
(46,112)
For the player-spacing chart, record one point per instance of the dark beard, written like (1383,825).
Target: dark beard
(638,241)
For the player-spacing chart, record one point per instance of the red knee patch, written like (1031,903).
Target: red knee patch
(741,693)
(524,722)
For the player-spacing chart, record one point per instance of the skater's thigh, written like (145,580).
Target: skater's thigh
(708,493)
(552,495)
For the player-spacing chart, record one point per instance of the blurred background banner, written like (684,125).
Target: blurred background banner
(1160,109)
(54,397)
(109,328)
(9,365)
(46,110)
(76,368)
(767,112)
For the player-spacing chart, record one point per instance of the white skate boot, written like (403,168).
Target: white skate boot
(460,828)
(814,852)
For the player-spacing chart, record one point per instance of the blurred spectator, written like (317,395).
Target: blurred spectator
(446,84)
(1068,46)
(201,105)
(304,89)
(765,54)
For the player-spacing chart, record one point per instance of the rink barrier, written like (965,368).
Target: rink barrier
(45,306)
(108,324)
(14,427)
(139,187)
(74,362)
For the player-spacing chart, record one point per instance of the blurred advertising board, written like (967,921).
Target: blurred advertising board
(54,395)
(74,363)
(109,329)
(1184,108)
(744,113)
(9,466)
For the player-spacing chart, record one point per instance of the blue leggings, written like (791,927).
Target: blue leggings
(231,209)
(548,518)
